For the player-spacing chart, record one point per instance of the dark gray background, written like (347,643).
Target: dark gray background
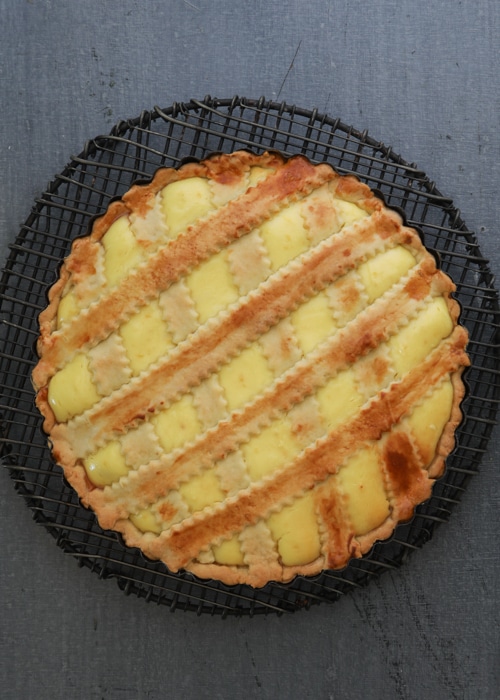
(423,78)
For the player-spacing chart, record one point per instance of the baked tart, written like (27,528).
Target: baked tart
(251,368)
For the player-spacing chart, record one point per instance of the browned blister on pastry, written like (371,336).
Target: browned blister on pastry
(251,368)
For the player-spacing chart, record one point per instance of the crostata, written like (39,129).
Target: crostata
(251,368)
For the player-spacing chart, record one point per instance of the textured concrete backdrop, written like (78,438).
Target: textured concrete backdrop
(419,76)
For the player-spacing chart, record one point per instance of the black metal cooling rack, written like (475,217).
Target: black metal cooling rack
(105,169)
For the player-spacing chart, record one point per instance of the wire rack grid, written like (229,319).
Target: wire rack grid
(104,170)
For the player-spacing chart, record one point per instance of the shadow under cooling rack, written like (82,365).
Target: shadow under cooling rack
(105,169)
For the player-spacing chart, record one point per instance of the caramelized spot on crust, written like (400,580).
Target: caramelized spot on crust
(321,215)
(83,263)
(340,541)
(418,286)
(348,292)
(409,481)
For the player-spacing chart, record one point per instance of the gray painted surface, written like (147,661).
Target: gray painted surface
(421,77)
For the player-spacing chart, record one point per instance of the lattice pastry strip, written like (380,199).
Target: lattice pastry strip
(265,366)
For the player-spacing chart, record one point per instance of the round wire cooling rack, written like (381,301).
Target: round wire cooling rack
(106,168)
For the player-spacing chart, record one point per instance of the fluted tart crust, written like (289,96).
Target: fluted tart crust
(251,368)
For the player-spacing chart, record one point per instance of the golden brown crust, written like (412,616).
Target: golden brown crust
(261,318)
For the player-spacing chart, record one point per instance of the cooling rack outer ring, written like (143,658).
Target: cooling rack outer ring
(104,170)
